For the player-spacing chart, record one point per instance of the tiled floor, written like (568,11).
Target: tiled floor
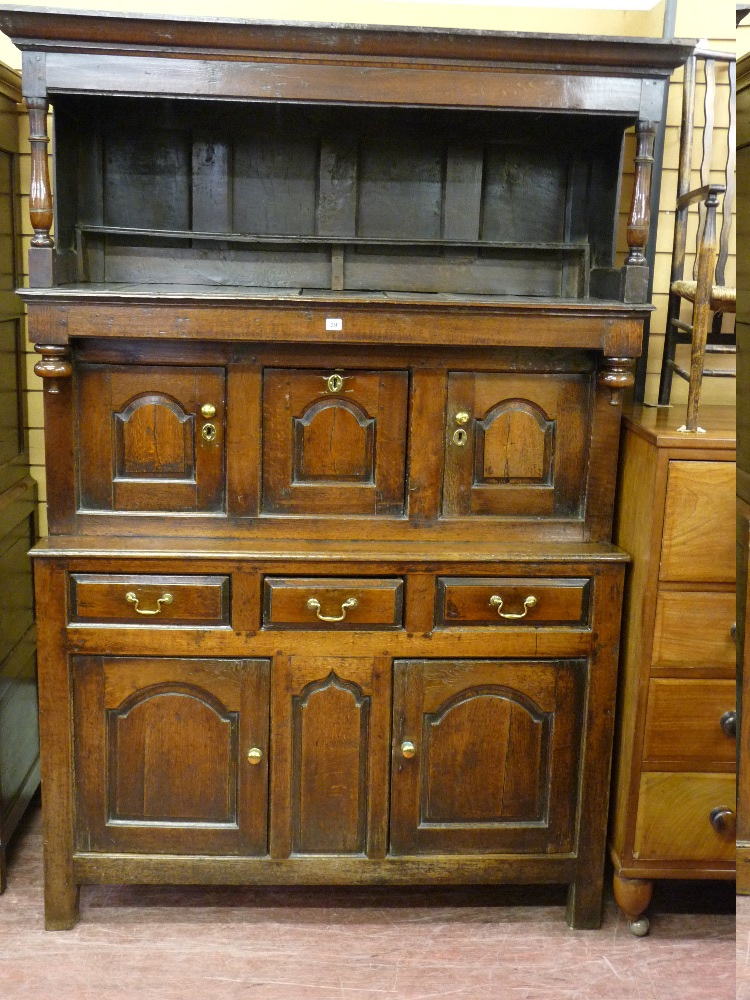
(353,944)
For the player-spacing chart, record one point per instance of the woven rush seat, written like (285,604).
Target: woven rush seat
(723,297)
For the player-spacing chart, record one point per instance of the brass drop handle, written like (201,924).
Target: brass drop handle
(313,604)
(254,755)
(496,601)
(132,598)
(724,821)
(408,749)
(728,723)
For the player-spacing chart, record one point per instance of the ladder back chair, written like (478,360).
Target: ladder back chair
(707,292)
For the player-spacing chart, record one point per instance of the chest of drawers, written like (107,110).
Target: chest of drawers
(333,345)
(674,809)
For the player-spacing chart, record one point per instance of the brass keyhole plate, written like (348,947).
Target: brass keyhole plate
(208,432)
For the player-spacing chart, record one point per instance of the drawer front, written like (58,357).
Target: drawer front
(699,514)
(511,601)
(674,817)
(332,603)
(684,721)
(149,600)
(694,631)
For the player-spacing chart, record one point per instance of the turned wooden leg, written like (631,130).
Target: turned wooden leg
(633,896)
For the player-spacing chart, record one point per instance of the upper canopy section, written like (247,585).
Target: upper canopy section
(340,63)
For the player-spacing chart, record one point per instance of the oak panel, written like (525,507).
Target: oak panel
(699,515)
(683,722)
(693,631)
(334,442)
(161,754)
(516,444)
(143,444)
(195,600)
(469,601)
(331,716)
(379,603)
(495,755)
(673,817)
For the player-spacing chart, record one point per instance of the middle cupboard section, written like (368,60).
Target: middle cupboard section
(353,443)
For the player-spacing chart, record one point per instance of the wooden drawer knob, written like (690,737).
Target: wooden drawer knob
(724,821)
(728,723)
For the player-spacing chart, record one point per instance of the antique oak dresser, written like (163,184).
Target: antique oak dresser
(333,347)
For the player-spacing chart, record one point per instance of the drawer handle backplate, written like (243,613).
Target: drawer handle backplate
(496,601)
(132,598)
(314,605)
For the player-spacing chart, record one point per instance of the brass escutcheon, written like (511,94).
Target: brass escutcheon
(335,382)
(459,437)
(208,432)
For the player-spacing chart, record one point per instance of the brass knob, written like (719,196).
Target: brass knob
(408,749)
(724,821)
(728,723)
(255,755)
(496,601)
(208,410)
(132,598)
(462,417)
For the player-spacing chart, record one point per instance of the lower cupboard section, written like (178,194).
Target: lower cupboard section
(359,756)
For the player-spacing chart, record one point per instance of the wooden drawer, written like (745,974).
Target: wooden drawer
(698,536)
(149,600)
(693,631)
(510,601)
(332,603)
(683,721)
(673,821)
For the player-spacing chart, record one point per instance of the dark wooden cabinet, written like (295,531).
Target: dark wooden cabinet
(19,733)
(334,346)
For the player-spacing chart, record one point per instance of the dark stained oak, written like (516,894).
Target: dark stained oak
(334,346)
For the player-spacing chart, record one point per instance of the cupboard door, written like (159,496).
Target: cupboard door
(485,755)
(330,761)
(334,442)
(163,755)
(516,445)
(143,442)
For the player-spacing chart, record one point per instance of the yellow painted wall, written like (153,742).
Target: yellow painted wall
(695,19)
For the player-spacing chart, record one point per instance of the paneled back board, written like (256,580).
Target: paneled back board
(333,347)
(19,737)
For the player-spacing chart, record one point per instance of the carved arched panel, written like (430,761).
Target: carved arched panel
(498,741)
(331,724)
(334,441)
(154,440)
(514,443)
(172,757)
